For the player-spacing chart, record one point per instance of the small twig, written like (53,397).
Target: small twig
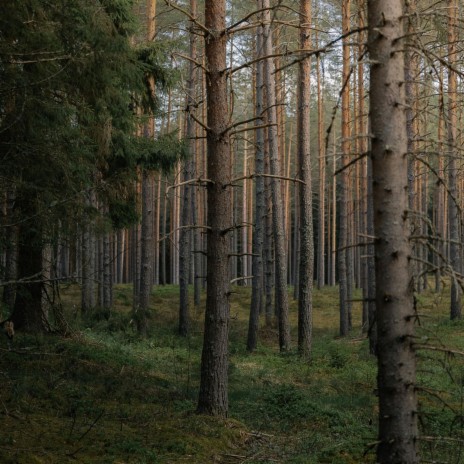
(92,425)
(238,279)
(198,181)
(421,346)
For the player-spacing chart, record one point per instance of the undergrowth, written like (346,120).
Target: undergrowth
(107,396)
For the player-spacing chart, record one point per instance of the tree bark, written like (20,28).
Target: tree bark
(321,245)
(281,296)
(27,312)
(213,398)
(453,210)
(146,254)
(88,296)
(260,207)
(306,245)
(343,274)
(398,432)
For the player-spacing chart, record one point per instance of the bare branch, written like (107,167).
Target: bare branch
(186,13)
(198,181)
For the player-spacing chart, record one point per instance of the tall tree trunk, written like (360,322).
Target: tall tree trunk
(344,275)
(107,282)
(146,253)
(260,206)
(88,296)
(281,296)
(306,254)
(371,290)
(187,173)
(213,398)
(321,248)
(453,210)
(398,432)
(27,312)
(10,237)
(147,229)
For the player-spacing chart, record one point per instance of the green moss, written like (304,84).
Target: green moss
(107,396)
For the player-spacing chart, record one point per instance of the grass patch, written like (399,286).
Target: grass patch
(106,396)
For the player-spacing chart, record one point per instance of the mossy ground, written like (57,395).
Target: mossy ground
(105,396)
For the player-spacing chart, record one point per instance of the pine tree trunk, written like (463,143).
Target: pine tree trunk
(321,247)
(306,245)
(453,210)
(146,253)
(344,275)
(281,296)
(260,208)
(10,237)
(88,296)
(398,433)
(27,312)
(213,398)
(107,283)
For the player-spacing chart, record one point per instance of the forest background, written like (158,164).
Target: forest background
(110,185)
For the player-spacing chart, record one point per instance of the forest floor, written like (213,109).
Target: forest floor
(105,396)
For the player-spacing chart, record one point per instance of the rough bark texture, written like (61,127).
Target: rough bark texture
(306,245)
(281,296)
(453,210)
(398,431)
(372,331)
(185,236)
(260,202)
(147,229)
(213,397)
(344,181)
(321,247)
(146,253)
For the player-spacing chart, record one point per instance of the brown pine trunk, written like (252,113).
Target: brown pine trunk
(306,248)
(258,235)
(281,296)
(344,275)
(187,174)
(453,210)
(146,253)
(321,247)
(213,398)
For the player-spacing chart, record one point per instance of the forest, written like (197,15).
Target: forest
(231,231)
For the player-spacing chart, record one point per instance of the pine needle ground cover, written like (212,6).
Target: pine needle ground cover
(105,396)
